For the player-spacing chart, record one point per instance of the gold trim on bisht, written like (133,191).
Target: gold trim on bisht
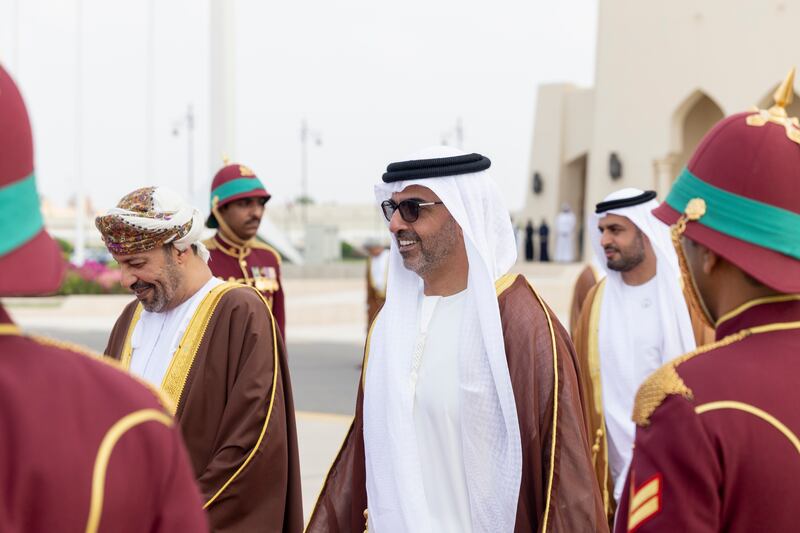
(776,114)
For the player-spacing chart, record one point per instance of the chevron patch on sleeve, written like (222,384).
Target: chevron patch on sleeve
(645,501)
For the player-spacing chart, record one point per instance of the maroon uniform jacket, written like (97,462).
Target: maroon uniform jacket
(717,445)
(83,447)
(257,264)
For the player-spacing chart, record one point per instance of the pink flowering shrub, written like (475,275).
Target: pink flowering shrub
(92,278)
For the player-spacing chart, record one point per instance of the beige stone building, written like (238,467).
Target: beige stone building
(665,73)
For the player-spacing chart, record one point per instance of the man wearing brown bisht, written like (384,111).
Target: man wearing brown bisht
(468,417)
(83,447)
(633,321)
(587,279)
(377,272)
(213,349)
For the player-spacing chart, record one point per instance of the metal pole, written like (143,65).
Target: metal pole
(190,150)
(151,95)
(304,172)
(79,255)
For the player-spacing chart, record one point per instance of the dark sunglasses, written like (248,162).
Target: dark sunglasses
(409,209)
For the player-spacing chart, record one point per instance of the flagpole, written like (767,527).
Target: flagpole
(79,254)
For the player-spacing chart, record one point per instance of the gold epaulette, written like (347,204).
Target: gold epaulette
(211,243)
(655,389)
(666,381)
(264,246)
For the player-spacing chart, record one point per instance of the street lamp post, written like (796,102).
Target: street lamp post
(187,122)
(305,134)
(457,132)
(79,253)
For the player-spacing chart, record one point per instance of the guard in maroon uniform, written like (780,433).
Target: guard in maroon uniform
(717,445)
(237,204)
(83,447)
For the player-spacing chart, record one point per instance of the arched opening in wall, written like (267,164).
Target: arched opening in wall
(690,122)
(699,118)
(573,193)
(767,101)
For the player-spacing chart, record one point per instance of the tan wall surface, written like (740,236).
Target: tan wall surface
(655,62)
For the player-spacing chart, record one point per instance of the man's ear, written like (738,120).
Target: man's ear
(181,257)
(710,259)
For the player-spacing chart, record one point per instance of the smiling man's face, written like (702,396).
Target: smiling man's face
(427,243)
(154,277)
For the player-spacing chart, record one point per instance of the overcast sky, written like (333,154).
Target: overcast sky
(377,81)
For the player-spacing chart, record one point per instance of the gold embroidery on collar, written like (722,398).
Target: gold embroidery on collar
(758,301)
(234,247)
(127,347)
(182,361)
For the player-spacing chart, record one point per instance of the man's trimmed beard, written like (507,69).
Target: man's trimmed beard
(433,250)
(163,289)
(630,257)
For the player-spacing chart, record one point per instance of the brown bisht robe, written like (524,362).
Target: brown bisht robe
(587,279)
(65,415)
(375,298)
(230,383)
(555,480)
(585,339)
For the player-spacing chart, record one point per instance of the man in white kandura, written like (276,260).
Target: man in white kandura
(632,322)
(565,235)
(468,418)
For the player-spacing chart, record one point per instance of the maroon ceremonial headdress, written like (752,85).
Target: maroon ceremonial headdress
(740,193)
(233,182)
(30,261)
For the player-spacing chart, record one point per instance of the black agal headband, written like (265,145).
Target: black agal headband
(645,197)
(435,168)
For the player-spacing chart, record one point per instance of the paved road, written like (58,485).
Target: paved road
(324,375)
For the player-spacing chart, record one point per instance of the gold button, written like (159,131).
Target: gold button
(599,432)
(596,448)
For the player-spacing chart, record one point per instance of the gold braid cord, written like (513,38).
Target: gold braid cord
(694,210)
